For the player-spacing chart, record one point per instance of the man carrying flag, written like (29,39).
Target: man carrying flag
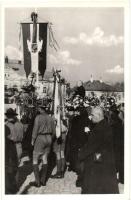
(61,129)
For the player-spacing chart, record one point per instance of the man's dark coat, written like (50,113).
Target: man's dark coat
(99,175)
(80,91)
(77,137)
(11,164)
(118,140)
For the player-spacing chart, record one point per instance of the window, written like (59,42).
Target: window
(44,89)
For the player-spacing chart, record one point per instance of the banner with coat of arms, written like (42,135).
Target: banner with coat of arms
(34,47)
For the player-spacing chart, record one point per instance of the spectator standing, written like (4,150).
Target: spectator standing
(118,142)
(80,90)
(78,137)
(16,131)
(98,156)
(11,163)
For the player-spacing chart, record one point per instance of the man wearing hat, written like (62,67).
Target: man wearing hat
(43,132)
(16,131)
(11,164)
(80,90)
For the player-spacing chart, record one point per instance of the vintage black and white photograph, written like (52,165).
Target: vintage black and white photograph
(64,100)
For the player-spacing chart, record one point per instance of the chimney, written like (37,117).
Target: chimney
(101,81)
(6,59)
(91,79)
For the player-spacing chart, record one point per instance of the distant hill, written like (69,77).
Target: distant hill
(96,85)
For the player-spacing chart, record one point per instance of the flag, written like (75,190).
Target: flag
(63,99)
(57,107)
(34,47)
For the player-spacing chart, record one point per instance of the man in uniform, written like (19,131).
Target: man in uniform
(43,132)
(59,150)
(16,131)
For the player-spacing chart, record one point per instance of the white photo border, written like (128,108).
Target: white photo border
(127,80)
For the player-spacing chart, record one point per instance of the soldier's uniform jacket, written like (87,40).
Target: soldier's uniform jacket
(43,124)
(16,131)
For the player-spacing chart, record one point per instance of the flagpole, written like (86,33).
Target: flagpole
(37,79)
(57,110)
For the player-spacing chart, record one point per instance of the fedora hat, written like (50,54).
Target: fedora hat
(10,112)
(26,90)
(43,106)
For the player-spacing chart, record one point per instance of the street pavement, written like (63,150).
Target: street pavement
(65,185)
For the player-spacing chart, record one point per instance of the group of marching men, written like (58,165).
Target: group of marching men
(91,144)
(42,137)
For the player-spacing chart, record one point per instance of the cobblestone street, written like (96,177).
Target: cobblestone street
(53,186)
(65,185)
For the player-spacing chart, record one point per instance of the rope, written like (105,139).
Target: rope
(52,41)
(20,38)
(53,37)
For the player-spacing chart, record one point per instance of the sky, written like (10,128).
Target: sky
(91,40)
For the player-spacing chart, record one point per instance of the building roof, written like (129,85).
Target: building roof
(97,85)
(18,68)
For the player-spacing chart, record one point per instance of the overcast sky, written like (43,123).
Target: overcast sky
(90,39)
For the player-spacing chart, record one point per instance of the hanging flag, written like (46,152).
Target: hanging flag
(57,106)
(34,47)
(42,53)
(63,99)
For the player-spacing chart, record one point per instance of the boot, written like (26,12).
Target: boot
(37,177)
(58,173)
(78,181)
(43,174)
(80,174)
(62,167)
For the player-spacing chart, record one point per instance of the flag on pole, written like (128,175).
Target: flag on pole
(34,47)
(63,99)
(57,106)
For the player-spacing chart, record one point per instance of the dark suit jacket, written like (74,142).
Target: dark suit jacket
(80,91)
(99,175)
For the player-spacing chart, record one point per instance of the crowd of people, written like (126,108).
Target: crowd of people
(91,142)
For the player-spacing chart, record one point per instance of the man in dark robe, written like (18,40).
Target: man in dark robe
(78,137)
(80,90)
(118,142)
(99,176)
